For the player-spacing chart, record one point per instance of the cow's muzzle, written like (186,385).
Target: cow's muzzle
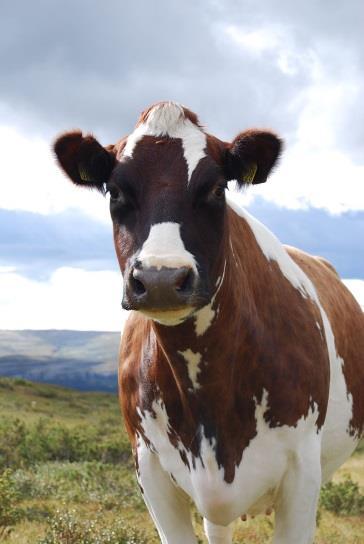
(154,290)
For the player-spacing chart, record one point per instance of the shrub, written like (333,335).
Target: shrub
(22,381)
(66,528)
(6,383)
(112,486)
(343,498)
(9,514)
(27,445)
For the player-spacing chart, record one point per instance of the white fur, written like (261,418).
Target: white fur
(168,119)
(167,506)
(164,247)
(193,361)
(204,318)
(217,534)
(337,442)
(258,481)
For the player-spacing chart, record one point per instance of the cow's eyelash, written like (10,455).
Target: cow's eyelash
(205,191)
(126,191)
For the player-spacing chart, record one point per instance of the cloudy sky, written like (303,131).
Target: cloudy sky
(296,67)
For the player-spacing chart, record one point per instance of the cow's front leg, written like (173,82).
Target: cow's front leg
(168,505)
(217,534)
(297,501)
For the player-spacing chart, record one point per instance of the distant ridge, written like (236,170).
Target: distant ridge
(85,360)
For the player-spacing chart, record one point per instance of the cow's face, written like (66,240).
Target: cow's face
(167,184)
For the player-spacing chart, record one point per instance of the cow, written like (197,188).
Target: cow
(241,365)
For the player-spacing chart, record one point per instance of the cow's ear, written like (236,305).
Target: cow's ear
(84,160)
(251,156)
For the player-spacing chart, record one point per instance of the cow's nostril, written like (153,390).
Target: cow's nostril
(160,288)
(184,282)
(137,286)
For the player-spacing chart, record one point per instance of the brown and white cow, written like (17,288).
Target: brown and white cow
(241,366)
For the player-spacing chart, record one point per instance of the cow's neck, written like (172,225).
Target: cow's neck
(199,357)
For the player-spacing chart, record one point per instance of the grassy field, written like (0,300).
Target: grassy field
(67,477)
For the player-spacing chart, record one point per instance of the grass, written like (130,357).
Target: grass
(67,476)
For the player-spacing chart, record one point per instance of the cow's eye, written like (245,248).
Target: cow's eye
(219,191)
(116,196)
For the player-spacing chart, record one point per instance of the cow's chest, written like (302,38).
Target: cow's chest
(257,477)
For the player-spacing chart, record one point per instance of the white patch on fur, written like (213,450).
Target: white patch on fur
(233,253)
(337,443)
(320,329)
(272,248)
(256,484)
(168,508)
(217,534)
(220,279)
(204,318)
(168,119)
(164,247)
(193,361)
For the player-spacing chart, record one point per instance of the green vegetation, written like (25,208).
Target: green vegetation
(67,476)
(66,470)
(343,498)
(65,527)
(9,514)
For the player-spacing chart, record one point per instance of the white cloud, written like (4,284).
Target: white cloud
(357,288)
(325,178)
(31,181)
(275,41)
(73,298)
(314,170)
(256,41)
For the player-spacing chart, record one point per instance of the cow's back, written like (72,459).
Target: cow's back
(345,337)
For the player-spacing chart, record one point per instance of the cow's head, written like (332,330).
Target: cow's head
(167,183)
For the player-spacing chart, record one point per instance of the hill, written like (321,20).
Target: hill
(86,360)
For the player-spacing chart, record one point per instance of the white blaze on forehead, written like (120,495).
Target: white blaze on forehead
(164,247)
(168,119)
(193,361)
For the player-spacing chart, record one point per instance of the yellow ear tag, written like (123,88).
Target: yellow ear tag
(249,175)
(84,174)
